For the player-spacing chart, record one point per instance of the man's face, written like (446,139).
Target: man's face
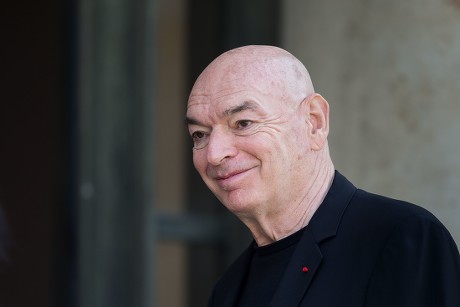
(250,141)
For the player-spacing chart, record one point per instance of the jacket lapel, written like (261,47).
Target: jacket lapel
(228,289)
(323,225)
(300,272)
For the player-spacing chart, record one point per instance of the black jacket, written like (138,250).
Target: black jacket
(362,249)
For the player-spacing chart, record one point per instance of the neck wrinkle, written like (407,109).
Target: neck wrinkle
(266,230)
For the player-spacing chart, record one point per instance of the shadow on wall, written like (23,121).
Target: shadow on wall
(4,244)
(4,240)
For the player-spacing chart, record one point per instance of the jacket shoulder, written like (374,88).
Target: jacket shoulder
(384,208)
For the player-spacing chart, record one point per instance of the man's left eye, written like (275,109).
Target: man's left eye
(243,123)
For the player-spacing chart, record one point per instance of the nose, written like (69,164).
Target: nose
(220,147)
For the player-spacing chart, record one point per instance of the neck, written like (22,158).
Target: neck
(269,228)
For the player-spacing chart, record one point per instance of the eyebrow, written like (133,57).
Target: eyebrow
(247,105)
(191,121)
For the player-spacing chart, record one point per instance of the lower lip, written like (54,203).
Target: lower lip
(230,182)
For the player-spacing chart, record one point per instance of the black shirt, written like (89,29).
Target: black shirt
(267,266)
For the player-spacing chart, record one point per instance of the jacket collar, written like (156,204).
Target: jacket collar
(326,220)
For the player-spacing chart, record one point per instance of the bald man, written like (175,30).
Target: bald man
(260,144)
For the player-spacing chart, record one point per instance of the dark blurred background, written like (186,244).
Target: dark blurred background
(100,204)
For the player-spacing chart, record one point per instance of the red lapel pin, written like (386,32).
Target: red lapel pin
(304,269)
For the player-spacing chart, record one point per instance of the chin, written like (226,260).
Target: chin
(239,202)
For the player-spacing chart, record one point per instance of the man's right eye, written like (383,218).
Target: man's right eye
(197,135)
(199,139)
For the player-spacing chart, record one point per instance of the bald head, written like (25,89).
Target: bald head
(269,69)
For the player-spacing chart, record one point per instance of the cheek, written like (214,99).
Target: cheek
(284,157)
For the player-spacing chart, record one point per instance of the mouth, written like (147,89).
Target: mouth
(229,175)
(228,180)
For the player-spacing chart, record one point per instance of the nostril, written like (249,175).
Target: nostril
(219,153)
(221,146)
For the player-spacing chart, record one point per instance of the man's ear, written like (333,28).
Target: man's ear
(317,117)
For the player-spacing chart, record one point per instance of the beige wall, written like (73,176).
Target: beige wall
(391,73)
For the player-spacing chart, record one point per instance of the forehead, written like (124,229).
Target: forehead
(232,83)
(226,103)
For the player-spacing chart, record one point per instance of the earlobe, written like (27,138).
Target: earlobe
(318,120)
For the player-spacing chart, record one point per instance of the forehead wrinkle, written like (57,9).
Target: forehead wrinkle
(195,100)
(247,105)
